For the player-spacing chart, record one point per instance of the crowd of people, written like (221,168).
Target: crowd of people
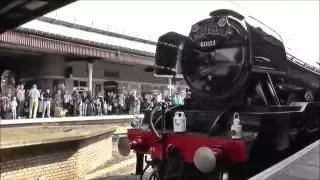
(36,103)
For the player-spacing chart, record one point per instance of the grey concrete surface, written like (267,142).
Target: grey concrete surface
(306,167)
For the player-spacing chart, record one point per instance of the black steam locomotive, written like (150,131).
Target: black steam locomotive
(250,99)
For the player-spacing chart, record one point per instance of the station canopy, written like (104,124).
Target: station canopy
(14,13)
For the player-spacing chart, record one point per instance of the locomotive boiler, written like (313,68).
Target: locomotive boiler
(250,100)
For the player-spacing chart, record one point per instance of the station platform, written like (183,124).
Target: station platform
(303,165)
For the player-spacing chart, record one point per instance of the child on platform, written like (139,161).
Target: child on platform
(14,105)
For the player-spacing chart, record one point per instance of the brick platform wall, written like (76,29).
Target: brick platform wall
(92,153)
(54,161)
(61,161)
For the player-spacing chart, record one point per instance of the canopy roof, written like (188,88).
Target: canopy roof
(14,13)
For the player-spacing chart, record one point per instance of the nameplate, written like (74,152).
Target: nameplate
(217,26)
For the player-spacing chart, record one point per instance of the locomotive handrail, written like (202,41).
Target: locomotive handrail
(153,129)
(159,118)
(267,27)
(303,64)
(291,57)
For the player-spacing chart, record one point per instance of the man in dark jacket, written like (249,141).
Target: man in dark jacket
(46,103)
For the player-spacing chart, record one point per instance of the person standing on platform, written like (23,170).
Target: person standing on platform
(91,105)
(46,103)
(40,104)
(180,99)
(121,103)
(132,103)
(67,102)
(105,108)
(109,102)
(85,102)
(20,100)
(14,105)
(99,105)
(137,104)
(5,105)
(80,104)
(159,98)
(115,103)
(34,95)
(1,105)
(175,100)
(57,103)
(76,103)
(58,99)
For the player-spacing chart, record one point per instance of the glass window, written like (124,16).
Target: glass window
(75,83)
(83,84)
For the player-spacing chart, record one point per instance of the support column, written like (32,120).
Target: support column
(90,69)
(170,86)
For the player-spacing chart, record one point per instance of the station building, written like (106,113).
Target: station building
(51,70)
(51,60)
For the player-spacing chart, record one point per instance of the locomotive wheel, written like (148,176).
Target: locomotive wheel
(150,174)
(224,176)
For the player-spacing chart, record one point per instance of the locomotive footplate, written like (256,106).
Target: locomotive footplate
(180,152)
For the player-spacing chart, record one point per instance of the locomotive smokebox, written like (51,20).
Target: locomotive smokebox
(223,56)
(214,59)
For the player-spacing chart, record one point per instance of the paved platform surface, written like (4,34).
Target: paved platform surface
(303,165)
(107,118)
(11,137)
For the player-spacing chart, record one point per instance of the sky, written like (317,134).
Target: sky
(296,21)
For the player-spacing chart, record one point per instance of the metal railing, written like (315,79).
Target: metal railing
(94,30)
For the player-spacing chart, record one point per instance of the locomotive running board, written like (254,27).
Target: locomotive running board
(294,107)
